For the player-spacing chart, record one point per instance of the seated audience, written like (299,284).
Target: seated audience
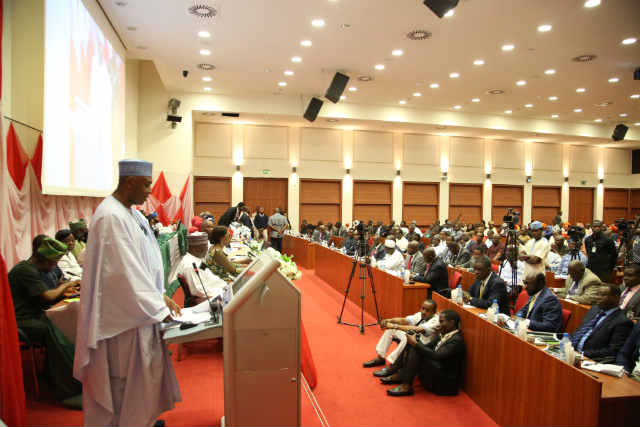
(573,254)
(581,285)
(393,260)
(377,249)
(197,244)
(543,311)
(401,241)
(630,299)
(497,248)
(436,273)
(80,232)
(629,355)
(507,267)
(477,252)
(454,256)
(320,234)
(412,233)
(414,261)
(340,230)
(216,259)
(437,246)
(68,263)
(487,287)
(605,327)
(349,243)
(30,298)
(424,322)
(438,365)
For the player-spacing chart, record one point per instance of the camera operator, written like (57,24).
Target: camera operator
(573,254)
(602,254)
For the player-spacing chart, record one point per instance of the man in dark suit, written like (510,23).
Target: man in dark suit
(436,275)
(439,365)
(377,249)
(487,287)
(605,328)
(601,252)
(630,299)
(231,214)
(543,311)
(630,353)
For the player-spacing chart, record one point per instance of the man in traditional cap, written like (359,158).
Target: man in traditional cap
(393,259)
(197,245)
(79,231)
(31,296)
(121,360)
(535,251)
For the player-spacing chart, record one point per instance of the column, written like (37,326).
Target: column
(487,188)
(347,180)
(293,205)
(443,211)
(564,195)
(527,193)
(598,205)
(396,207)
(237,143)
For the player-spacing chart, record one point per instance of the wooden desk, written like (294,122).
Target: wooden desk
(301,249)
(338,242)
(578,312)
(393,296)
(517,383)
(468,277)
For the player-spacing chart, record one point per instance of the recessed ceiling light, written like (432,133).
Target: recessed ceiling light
(584,58)
(554,116)
(417,94)
(288,73)
(402,102)
(553,98)
(550,71)
(637,124)
(598,120)
(544,28)
(614,80)
(206,67)
(475,100)
(353,89)
(296,59)
(508,111)
(449,14)
(419,35)
(478,62)
(205,52)
(495,92)
(630,40)
(343,97)
(206,79)
(318,23)
(581,90)
(379,67)
(207,89)
(457,107)
(434,85)
(282,84)
(454,75)
(623,115)
(635,96)
(577,110)
(528,105)
(306,43)
(365,78)
(204,34)
(508,47)
(521,82)
(397,52)
(591,3)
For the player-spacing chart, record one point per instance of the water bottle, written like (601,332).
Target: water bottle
(332,245)
(491,312)
(405,275)
(563,346)
(374,262)
(516,326)
(459,295)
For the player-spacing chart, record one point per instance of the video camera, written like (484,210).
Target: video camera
(511,218)
(576,233)
(623,225)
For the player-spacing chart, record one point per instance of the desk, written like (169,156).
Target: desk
(516,383)
(64,315)
(301,249)
(393,296)
(337,241)
(578,311)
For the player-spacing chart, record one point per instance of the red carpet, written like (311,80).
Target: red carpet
(346,393)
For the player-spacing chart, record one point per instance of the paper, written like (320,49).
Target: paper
(197,314)
(604,368)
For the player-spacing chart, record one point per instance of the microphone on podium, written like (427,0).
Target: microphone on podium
(213,306)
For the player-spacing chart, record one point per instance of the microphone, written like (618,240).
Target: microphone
(214,312)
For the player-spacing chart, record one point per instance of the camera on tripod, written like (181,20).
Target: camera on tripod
(624,225)
(576,233)
(511,218)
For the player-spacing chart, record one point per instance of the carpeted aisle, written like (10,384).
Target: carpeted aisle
(347,394)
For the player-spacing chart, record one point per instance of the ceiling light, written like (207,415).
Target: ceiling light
(592,3)
(449,14)
(630,40)
(417,94)
(598,120)
(121,3)
(635,96)
(306,43)
(584,58)
(454,75)
(544,28)
(206,67)
(207,89)
(457,107)
(202,11)
(637,124)
(204,34)
(521,82)
(528,105)
(577,110)
(478,62)
(495,91)
(353,89)
(402,102)
(419,35)
(296,59)
(614,80)
(553,98)
(554,116)
(318,23)
(379,67)
(288,73)
(508,47)
(206,79)
(581,90)
(508,112)
(434,85)
(475,100)
(343,97)
(282,84)
(623,115)
(550,71)
(205,52)
(397,52)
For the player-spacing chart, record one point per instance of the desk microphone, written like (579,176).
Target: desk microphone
(212,306)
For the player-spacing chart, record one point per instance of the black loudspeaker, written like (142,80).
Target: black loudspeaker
(313,109)
(619,132)
(440,7)
(635,161)
(636,74)
(337,87)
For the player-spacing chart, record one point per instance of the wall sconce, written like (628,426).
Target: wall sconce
(601,180)
(398,172)
(566,179)
(294,169)
(488,176)
(237,168)
(528,179)
(348,171)
(444,176)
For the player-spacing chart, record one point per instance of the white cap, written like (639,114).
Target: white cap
(389,243)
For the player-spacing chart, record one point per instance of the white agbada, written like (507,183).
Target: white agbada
(212,283)
(120,358)
(539,248)
(70,267)
(393,262)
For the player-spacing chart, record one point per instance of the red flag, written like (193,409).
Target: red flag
(12,400)
(160,189)
(36,161)
(17,159)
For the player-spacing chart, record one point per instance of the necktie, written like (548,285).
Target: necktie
(409,263)
(582,334)
(484,283)
(532,301)
(574,288)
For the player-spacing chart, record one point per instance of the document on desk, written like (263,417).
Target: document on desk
(197,314)
(603,368)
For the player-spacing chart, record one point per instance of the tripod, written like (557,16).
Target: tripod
(363,269)
(511,246)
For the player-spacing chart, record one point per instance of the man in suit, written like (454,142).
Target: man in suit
(439,365)
(543,311)
(414,261)
(630,299)
(605,328)
(581,285)
(230,215)
(437,275)
(630,353)
(487,287)
(320,234)
(377,249)
(601,252)
(412,233)
(457,255)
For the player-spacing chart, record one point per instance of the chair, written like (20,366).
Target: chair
(455,279)
(495,267)
(521,301)
(566,316)
(26,344)
(189,299)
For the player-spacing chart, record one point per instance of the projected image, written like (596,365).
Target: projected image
(84,102)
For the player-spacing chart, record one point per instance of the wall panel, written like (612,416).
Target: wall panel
(583,159)
(321,144)
(465,200)
(547,157)
(212,140)
(211,194)
(580,205)
(545,203)
(266,142)
(508,154)
(504,197)
(373,147)
(372,200)
(635,202)
(420,202)
(421,150)
(270,193)
(616,204)
(617,161)
(320,200)
(467,152)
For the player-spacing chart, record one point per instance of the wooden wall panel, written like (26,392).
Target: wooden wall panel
(324,213)
(503,197)
(635,202)
(580,205)
(616,204)
(268,192)
(465,200)
(545,203)
(420,202)
(544,215)
(372,212)
(372,192)
(211,194)
(423,215)
(468,214)
(320,200)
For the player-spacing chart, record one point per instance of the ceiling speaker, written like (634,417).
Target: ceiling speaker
(313,109)
(619,132)
(337,87)
(440,7)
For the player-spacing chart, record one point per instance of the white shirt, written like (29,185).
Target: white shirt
(506,273)
(539,248)
(553,260)
(402,244)
(440,249)
(429,327)
(212,283)
(70,267)
(393,262)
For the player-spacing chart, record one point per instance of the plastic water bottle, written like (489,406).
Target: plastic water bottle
(405,275)
(516,326)
(459,295)
(332,245)
(492,311)
(563,345)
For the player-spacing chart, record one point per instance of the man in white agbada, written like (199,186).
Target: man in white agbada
(120,358)
(197,249)
(393,260)
(535,252)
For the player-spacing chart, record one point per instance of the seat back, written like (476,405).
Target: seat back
(566,316)
(455,279)
(189,299)
(521,301)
